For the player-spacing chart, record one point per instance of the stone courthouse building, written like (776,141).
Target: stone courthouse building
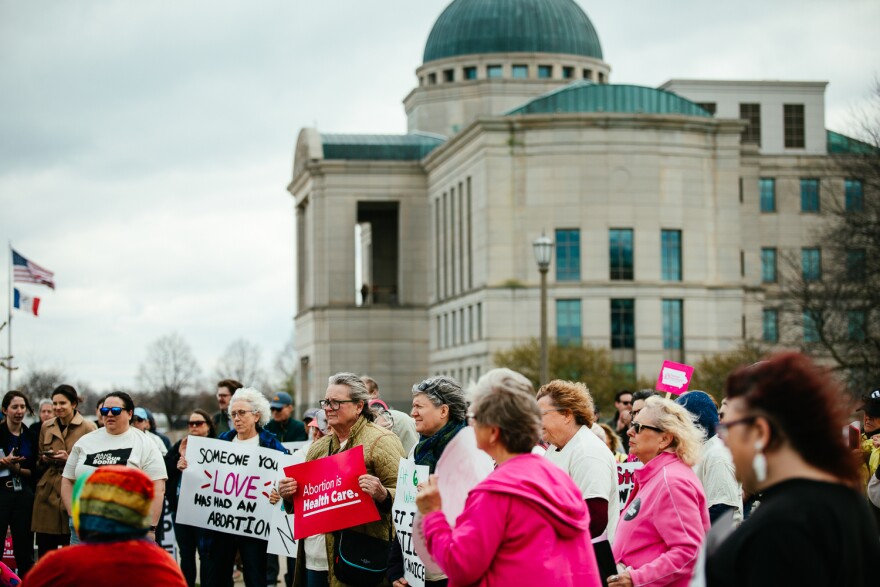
(670,208)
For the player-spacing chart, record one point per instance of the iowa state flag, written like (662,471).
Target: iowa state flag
(25,302)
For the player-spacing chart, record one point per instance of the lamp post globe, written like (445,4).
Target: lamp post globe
(543,248)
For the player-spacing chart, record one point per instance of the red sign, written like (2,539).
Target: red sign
(328,497)
(8,553)
(674,377)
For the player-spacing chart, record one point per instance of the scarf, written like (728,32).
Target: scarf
(429,448)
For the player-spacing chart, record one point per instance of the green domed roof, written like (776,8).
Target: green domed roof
(469,27)
(585,96)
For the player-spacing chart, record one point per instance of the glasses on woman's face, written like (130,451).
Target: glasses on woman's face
(116,410)
(241,413)
(196,423)
(722,429)
(638,426)
(334,404)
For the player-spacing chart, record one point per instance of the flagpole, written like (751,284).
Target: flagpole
(9,324)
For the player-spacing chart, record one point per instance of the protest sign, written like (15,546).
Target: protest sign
(328,497)
(295,445)
(460,468)
(169,542)
(226,487)
(674,377)
(281,540)
(409,475)
(626,481)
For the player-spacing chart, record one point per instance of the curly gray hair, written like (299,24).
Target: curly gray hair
(506,399)
(357,391)
(257,400)
(442,390)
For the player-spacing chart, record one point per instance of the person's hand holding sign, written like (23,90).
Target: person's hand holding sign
(373,486)
(428,500)
(287,488)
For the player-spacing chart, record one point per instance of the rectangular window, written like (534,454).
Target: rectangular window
(437,249)
(768,194)
(470,323)
(670,255)
(856,264)
(856,325)
(793,115)
(811,326)
(620,249)
(673,325)
(567,72)
(855,198)
(545,71)
(768,265)
(568,322)
(494,71)
(452,318)
(811,264)
(709,107)
(601,78)
(588,74)
(439,333)
(480,321)
(809,195)
(432,79)
(520,72)
(751,113)
(470,72)
(771,326)
(623,324)
(448,75)
(568,255)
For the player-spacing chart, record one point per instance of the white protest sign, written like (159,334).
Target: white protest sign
(295,445)
(460,468)
(281,539)
(626,481)
(409,475)
(226,487)
(169,542)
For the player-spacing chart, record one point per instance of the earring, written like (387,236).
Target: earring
(759,463)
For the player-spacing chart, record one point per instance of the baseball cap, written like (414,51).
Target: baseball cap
(319,422)
(280,400)
(872,404)
(310,414)
(141,413)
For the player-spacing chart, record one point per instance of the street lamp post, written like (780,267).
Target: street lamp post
(543,248)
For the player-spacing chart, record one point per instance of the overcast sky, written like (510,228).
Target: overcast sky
(146,147)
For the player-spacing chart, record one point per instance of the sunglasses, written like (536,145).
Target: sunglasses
(638,427)
(196,423)
(116,410)
(430,387)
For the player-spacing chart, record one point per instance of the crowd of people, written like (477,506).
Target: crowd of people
(773,486)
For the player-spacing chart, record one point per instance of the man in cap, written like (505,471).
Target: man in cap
(870,441)
(141,420)
(283,425)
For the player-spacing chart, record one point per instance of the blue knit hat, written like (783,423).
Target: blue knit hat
(701,405)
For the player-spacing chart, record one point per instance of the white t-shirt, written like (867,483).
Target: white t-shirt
(717,474)
(593,468)
(131,448)
(158,442)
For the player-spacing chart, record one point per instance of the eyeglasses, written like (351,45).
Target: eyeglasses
(195,423)
(335,404)
(137,420)
(240,413)
(629,403)
(116,410)
(274,409)
(722,428)
(637,426)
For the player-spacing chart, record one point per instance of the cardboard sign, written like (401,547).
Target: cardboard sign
(674,377)
(626,481)
(328,497)
(226,487)
(409,475)
(281,540)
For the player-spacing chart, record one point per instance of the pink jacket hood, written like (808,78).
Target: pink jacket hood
(534,479)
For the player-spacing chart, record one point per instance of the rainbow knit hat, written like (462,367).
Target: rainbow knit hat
(113,502)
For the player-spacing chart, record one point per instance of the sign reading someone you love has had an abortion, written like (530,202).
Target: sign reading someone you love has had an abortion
(409,475)
(226,487)
(328,497)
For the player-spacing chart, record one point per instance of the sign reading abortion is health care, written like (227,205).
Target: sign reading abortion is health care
(226,487)
(328,497)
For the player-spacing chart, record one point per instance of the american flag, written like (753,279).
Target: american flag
(25,271)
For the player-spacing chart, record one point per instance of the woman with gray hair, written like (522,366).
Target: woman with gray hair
(662,526)
(248,412)
(351,424)
(526,523)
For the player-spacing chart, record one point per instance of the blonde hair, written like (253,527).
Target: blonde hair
(687,438)
(611,435)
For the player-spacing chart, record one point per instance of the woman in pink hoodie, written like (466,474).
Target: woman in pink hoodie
(526,523)
(662,526)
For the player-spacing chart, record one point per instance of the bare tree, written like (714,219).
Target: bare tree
(168,373)
(286,369)
(40,382)
(241,361)
(835,312)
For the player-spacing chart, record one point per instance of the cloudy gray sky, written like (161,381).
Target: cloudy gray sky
(145,147)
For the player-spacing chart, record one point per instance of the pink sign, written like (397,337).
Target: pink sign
(328,497)
(8,553)
(674,377)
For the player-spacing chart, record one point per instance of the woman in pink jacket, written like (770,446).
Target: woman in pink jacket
(663,524)
(526,523)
